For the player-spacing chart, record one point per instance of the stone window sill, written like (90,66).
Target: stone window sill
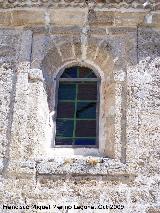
(81,165)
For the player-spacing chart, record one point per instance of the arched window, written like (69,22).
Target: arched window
(77,108)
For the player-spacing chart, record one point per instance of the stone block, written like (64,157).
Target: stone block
(103,18)
(148,43)
(67,17)
(67,51)
(77,47)
(27,17)
(35,75)
(80,166)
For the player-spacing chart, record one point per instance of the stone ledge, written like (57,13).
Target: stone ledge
(75,166)
(81,166)
(139,4)
(35,19)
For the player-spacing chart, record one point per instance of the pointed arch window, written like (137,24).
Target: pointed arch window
(77,108)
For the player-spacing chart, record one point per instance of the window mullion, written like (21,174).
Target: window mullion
(75,111)
(77,72)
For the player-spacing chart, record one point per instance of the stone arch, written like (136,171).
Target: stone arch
(98,54)
(99,57)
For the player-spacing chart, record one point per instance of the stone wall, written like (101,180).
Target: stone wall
(120,40)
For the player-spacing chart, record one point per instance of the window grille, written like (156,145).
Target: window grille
(77,108)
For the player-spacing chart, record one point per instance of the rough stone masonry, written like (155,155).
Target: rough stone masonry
(120,39)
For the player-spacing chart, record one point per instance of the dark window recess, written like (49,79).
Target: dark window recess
(76,123)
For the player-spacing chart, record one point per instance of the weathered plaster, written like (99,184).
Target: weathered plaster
(120,41)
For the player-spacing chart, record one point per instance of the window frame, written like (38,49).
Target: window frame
(58,79)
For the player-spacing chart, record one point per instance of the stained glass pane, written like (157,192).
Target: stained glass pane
(86,128)
(65,110)
(87,91)
(76,109)
(64,128)
(83,142)
(67,91)
(86,110)
(70,73)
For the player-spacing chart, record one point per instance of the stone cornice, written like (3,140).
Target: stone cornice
(128,4)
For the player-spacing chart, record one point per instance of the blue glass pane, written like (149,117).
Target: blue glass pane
(84,141)
(64,128)
(70,73)
(65,109)
(66,91)
(86,110)
(60,141)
